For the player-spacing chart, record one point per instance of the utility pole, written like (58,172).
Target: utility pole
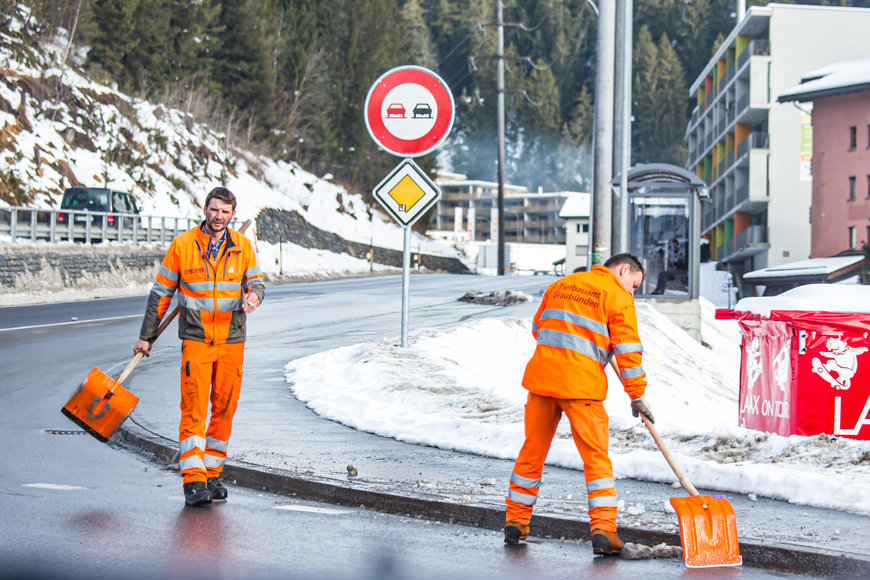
(603,134)
(500,105)
(623,105)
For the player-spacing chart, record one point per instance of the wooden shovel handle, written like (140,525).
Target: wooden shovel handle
(684,481)
(163,324)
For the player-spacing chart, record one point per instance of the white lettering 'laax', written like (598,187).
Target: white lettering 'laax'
(842,361)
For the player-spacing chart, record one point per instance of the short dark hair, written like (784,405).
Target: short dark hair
(221,194)
(625,258)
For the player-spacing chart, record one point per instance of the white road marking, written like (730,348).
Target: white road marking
(68,323)
(311,509)
(59,486)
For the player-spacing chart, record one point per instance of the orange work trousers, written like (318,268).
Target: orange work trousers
(210,374)
(589,424)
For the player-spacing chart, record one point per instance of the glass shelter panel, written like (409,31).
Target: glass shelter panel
(659,235)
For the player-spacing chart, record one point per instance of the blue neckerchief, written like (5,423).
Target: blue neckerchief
(214,249)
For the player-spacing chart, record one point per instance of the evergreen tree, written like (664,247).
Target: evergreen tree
(114,37)
(422,52)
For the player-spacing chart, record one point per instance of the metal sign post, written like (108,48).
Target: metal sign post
(409,111)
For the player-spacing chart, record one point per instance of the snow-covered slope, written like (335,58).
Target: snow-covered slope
(59,128)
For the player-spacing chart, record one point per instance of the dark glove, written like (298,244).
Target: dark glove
(639,405)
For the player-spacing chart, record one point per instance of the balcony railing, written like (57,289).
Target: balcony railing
(752,235)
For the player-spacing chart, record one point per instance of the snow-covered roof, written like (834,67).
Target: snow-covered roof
(812,297)
(802,268)
(576,205)
(834,79)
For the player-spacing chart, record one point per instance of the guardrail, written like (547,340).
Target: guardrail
(30,224)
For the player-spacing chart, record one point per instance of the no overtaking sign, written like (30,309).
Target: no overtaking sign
(409,111)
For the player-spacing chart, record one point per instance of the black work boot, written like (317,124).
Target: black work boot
(196,493)
(606,543)
(514,532)
(217,489)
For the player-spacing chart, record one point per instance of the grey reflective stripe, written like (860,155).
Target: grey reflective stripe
(191,443)
(192,462)
(575,343)
(213,461)
(602,483)
(604,501)
(167,273)
(196,303)
(197,286)
(534,327)
(525,481)
(229,286)
(161,290)
(251,272)
(627,347)
(229,304)
(216,444)
(588,323)
(522,497)
(631,373)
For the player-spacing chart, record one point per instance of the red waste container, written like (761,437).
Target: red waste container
(804,370)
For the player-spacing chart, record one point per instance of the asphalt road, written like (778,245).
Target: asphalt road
(73,507)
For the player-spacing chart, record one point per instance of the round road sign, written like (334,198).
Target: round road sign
(409,111)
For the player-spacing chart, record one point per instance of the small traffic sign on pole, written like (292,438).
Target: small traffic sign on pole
(407,192)
(409,111)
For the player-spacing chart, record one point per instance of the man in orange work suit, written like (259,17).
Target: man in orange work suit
(215,272)
(583,321)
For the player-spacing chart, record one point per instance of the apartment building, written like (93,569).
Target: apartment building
(754,153)
(839,96)
(468,209)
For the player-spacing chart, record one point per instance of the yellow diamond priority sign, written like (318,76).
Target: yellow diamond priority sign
(407,192)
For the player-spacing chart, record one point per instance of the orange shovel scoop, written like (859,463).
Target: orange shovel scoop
(708,526)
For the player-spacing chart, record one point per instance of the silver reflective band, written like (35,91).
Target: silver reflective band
(212,461)
(191,443)
(216,444)
(525,481)
(606,501)
(572,342)
(251,272)
(522,497)
(167,273)
(192,462)
(602,483)
(576,319)
(229,286)
(627,347)
(197,286)
(162,290)
(631,373)
(229,304)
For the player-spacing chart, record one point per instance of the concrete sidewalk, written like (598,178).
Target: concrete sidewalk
(308,457)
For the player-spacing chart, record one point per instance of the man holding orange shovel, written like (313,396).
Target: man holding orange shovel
(215,272)
(584,320)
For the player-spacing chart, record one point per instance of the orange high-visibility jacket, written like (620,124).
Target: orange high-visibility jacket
(210,291)
(585,319)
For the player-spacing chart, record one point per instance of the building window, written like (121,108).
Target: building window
(851,188)
(853,238)
(583,228)
(853,138)
(580,250)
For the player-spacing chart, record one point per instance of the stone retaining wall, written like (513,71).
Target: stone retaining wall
(274,226)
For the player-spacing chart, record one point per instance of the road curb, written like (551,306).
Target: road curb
(766,555)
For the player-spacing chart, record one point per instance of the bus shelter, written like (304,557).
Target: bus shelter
(665,228)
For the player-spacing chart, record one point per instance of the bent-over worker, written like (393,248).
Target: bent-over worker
(584,320)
